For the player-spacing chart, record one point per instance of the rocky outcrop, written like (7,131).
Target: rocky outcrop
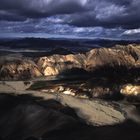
(132,92)
(133,50)
(56,64)
(18,69)
(118,58)
(107,57)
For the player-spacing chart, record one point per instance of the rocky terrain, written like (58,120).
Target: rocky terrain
(102,70)
(119,59)
(88,95)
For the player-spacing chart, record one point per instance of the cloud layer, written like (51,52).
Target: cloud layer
(82,18)
(110,13)
(105,13)
(40,8)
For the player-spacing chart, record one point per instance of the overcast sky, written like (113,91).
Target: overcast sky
(81,18)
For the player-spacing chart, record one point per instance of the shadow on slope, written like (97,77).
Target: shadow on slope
(25,117)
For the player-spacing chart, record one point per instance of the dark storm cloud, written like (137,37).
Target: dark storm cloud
(104,13)
(8,16)
(41,8)
(109,14)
